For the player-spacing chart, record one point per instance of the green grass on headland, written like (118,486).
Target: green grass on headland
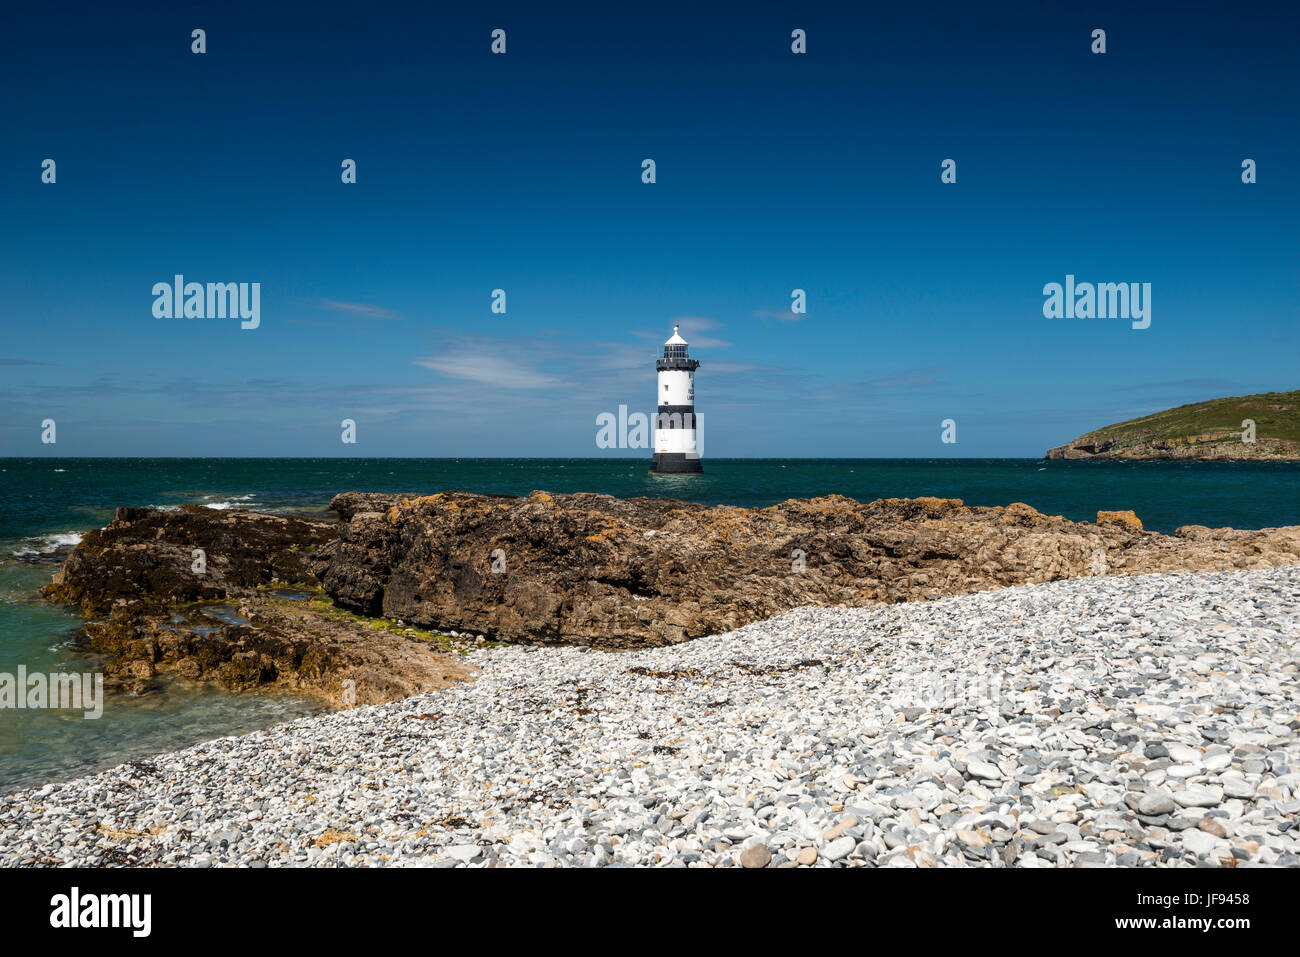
(1211,429)
(1276,415)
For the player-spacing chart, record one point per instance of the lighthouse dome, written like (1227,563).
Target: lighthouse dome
(675,347)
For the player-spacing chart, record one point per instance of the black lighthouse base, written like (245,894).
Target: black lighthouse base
(675,463)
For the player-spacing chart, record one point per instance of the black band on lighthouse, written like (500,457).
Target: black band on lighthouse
(676,462)
(684,365)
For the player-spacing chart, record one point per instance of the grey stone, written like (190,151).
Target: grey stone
(838,849)
(1155,804)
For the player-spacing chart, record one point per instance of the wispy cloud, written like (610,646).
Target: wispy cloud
(498,371)
(698,341)
(601,369)
(691,327)
(360,309)
(21,362)
(695,323)
(780,315)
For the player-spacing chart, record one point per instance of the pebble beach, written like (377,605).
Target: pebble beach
(1130,721)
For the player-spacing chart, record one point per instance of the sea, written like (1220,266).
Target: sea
(47,504)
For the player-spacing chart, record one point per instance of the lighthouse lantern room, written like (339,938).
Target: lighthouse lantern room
(676,446)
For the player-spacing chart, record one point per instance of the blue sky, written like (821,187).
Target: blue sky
(523,172)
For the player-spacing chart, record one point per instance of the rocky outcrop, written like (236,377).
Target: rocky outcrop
(147,557)
(159,607)
(1221,446)
(614,573)
(358,610)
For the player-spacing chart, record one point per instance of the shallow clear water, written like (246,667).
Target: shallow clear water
(46,503)
(38,746)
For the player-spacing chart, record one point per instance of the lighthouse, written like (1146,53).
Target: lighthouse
(676,448)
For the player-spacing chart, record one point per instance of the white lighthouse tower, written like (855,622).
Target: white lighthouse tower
(676,449)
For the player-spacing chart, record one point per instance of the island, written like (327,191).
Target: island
(1253,428)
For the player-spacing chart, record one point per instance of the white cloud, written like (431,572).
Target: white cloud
(728,367)
(780,315)
(695,322)
(498,371)
(364,310)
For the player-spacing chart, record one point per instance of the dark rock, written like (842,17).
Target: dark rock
(585,570)
(153,613)
(616,573)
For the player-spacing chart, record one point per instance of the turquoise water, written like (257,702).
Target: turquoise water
(46,503)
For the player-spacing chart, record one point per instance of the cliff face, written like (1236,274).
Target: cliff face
(1216,430)
(595,570)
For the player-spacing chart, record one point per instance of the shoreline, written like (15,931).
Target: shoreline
(1136,720)
(243,627)
(385,599)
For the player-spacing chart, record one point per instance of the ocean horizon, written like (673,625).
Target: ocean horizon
(47,491)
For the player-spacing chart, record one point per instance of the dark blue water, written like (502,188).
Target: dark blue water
(45,504)
(49,495)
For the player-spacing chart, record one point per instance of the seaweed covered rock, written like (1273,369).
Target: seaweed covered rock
(190,593)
